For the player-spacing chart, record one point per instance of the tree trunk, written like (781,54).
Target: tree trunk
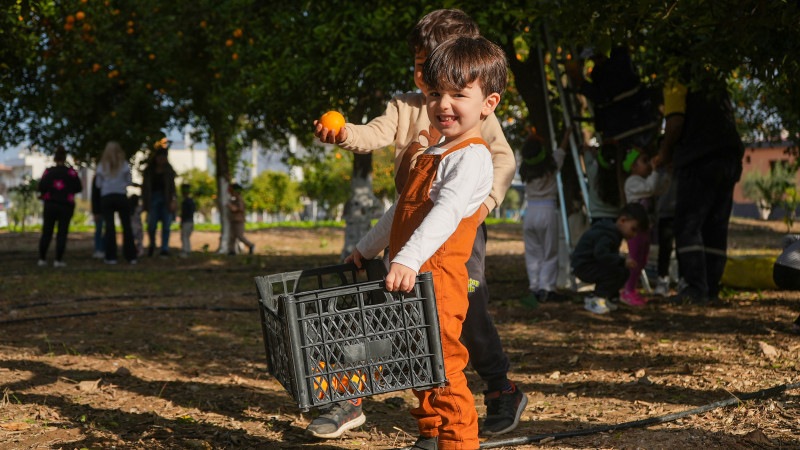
(361,207)
(528,80)
(223,180)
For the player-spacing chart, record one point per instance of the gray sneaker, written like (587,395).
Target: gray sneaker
(335,419)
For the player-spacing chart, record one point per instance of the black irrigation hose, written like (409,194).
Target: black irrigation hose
(764,393)
(89,299)
(119,310)
(100,297)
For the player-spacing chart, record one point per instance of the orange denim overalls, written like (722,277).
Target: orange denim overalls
(447,412)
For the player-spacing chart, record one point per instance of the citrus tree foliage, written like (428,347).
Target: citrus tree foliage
(273,192)
(24,202)
(774,189)
(326,177)
(87,78)
(706,39)
(204,190)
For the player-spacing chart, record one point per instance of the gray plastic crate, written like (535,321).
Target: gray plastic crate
(335,333)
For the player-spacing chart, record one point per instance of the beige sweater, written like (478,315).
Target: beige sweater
(406,123)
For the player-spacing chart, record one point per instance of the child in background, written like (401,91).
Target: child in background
(237,209)
(538,171)
(406,124)
(432,226)
(643,183)
(187,219)
(603,184)
(136,224)
(97,214)
(596,257)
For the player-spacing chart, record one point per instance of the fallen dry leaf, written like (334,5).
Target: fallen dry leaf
(89,386)
(15,426)
(767,350)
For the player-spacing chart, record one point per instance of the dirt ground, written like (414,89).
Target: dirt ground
(169,354)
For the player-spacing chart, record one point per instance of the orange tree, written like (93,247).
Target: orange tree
(82,79)
(273,192)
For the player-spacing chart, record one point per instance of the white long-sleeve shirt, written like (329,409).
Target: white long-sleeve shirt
(116,183)
(637,187)
(546,187)
(462,183)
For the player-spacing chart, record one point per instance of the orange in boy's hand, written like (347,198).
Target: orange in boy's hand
(333,121)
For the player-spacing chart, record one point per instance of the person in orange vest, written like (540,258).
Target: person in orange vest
(432,225)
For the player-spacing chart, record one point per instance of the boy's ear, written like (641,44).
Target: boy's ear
(490,103)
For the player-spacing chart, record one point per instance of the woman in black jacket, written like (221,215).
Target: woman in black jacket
(57,189)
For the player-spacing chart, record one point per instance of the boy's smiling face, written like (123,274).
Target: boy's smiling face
(457,114)
(419,60)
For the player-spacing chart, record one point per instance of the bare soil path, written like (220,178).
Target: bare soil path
(127,357)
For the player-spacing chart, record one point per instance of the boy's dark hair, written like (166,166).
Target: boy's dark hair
(460,61)
(536,160)
(607,180)
(236,187)
(439,26)
(638,213)
(186,188)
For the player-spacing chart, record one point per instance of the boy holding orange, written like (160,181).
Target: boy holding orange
(432,225)
(406,124)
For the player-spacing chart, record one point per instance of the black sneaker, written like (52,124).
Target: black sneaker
(687,297)
(553,296)
(150,250)
(503,410)
(426,443)
(163,253)
(335,419)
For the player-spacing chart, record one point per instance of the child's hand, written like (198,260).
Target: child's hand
(400,278)
(328,136)
(356,257)
(630,263)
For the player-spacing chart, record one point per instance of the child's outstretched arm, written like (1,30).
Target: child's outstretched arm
(374,241)
(380,131)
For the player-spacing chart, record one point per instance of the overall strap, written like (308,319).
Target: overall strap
(466,143)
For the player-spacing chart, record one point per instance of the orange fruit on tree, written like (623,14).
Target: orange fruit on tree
(237,33)
(70,18)
(332,120)
(229,42)
(80,15)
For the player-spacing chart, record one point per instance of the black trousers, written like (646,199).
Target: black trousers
(608,279)
(666,237)
(55,212)
(704,199)
(479,334)
(118,203)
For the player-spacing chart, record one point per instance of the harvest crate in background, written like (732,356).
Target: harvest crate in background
(335,333)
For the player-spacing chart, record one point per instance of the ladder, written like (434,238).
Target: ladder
(570,115)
